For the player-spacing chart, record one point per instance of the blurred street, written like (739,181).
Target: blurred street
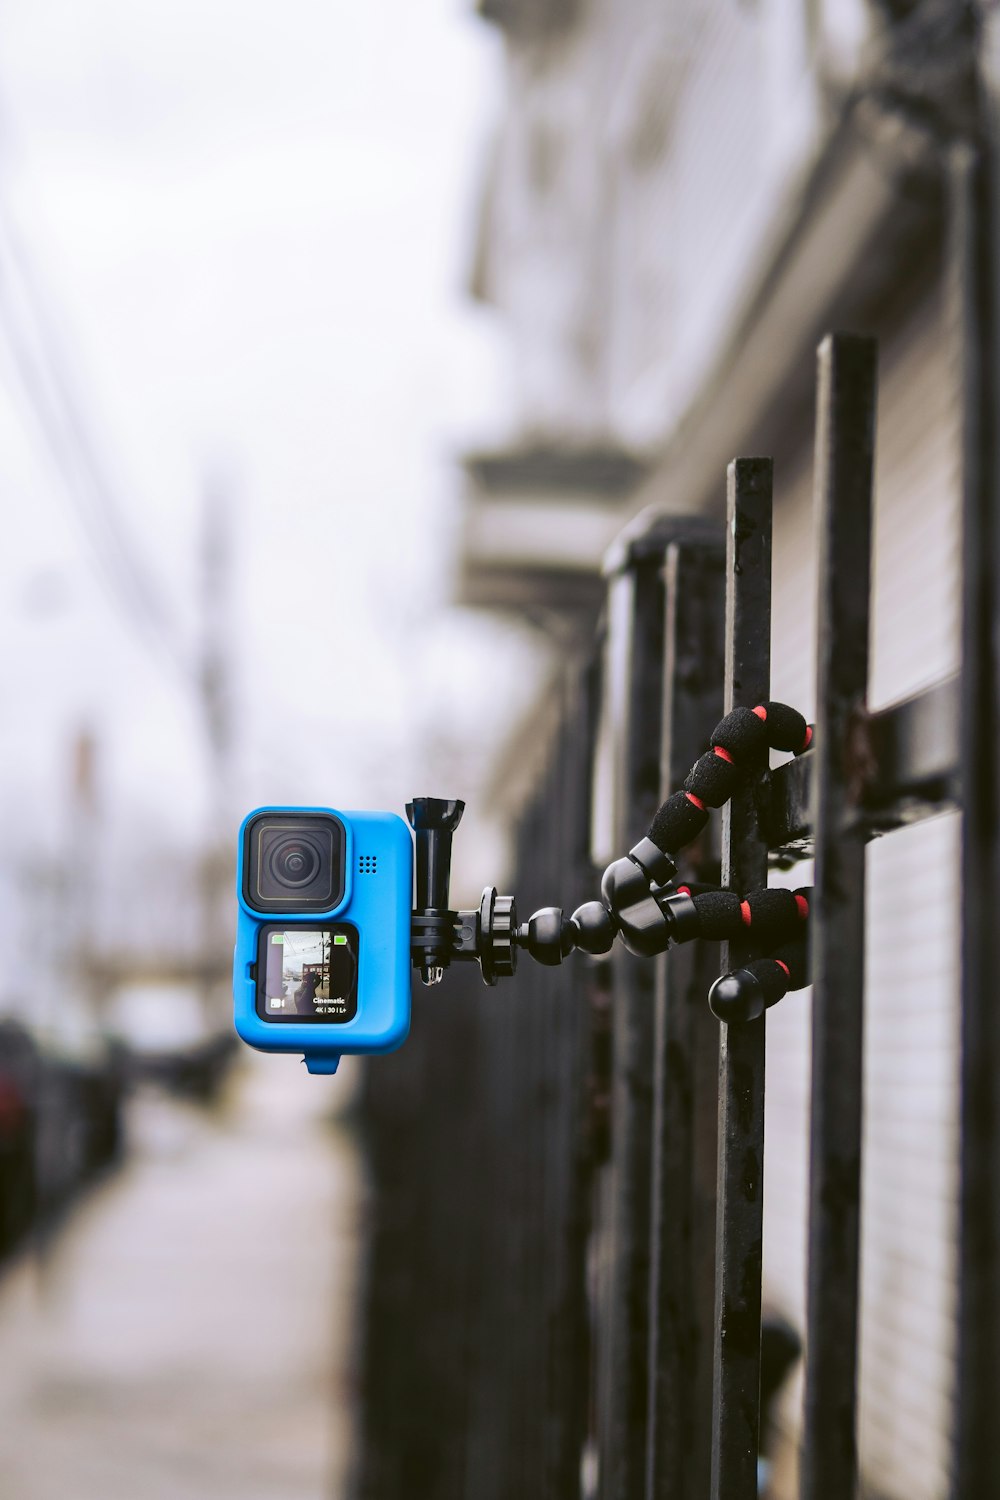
(189,1332)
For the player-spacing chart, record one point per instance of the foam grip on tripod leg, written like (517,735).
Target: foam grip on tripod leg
(712,778)
(771,915)
(786,728)
(678,822)
(793,957)
(719,915)
(743,735)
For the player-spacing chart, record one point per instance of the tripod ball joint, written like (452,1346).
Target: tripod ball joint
(737,997)
(595,928)
(628,891)
(632,905)
(548,936)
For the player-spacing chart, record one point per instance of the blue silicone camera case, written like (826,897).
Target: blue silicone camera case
(378,884)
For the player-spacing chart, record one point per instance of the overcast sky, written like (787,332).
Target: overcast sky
(248,227)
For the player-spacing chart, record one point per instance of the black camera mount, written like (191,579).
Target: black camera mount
(439,935)
(642,901)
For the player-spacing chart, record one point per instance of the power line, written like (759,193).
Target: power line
(48,389)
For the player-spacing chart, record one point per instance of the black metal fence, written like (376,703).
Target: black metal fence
(564,1291)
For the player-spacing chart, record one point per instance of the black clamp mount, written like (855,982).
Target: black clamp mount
(441,936)
(641,899)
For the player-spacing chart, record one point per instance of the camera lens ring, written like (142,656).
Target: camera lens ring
(293,862)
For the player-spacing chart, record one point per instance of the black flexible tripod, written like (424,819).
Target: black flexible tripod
(641,902)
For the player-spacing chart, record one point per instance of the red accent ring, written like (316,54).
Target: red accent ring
(808,739)
(761,712)
(788,972)
(723,754)
(746,913)
(803,906)
(696,801)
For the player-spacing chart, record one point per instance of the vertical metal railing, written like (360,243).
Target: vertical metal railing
(975,292)
(635,679)
(739,1237)
(514,1313)
(568,1163)
(476,1324)
(685,1056)
(845,451)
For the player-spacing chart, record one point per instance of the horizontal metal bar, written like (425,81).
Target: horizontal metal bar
(786,811)
(914,753)
(903,762)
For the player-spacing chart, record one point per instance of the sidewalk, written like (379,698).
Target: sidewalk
(189,1333)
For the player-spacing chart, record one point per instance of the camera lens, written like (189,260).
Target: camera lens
(294,862)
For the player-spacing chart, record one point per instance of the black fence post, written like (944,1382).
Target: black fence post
(736,1395)
(845,447)
(564,1103)
(635,682)
(476,1319)
(975,278)
(685,1058)
(486,1138)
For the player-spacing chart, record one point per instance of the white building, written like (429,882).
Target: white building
(682,200)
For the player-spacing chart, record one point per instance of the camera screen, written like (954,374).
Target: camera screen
(308,974)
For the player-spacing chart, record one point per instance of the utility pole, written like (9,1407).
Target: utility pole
(215,699)
(80,872)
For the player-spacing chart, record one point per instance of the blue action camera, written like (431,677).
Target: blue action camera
(335,908)
(322,962)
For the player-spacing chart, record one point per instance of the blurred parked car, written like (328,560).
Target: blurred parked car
(20,1071)
(60,1122)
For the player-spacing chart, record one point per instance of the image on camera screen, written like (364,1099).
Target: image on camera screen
(309,974)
